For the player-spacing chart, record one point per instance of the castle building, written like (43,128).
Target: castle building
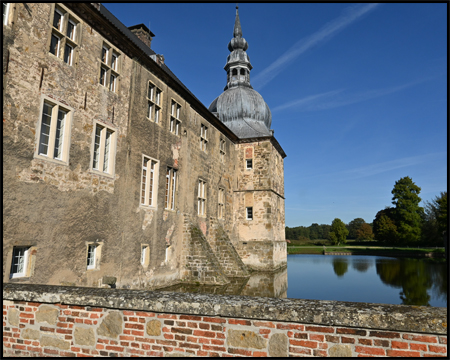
(115,174)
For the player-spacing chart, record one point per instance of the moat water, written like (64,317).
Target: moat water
(373,279)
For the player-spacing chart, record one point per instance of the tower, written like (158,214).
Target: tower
(258,195)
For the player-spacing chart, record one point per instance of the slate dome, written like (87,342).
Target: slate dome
(241,108)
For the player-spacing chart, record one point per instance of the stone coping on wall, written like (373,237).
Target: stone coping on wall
(419,319)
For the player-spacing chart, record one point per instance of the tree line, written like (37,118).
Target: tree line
(406,223)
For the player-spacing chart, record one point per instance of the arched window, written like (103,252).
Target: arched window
(234,72)
(242,71)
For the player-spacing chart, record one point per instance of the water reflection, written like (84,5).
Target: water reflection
(340,266)
(258,284)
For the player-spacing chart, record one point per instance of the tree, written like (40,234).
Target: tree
(384,227)
(435,220)
(364,232)
(408,214)
(338,232)
(354,226)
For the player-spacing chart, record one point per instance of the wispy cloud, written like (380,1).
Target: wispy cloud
(330,29)
(337,98)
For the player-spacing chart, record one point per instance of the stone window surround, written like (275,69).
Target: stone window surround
(175,122)
(62,35)
(248,164)
(17,252)
(111,69)
(6,13)
(112,150)
(155,185)
(145,255)
(67,131)
(97,255)
(249,213)
(30,261)
(222,150)
(170,188)
(201,198)
(221,203)
(154,102)
(203,137)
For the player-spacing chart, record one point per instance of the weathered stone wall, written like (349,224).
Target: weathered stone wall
(263,255)
(68,321)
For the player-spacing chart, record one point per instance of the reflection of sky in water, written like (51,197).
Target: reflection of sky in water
(314,277)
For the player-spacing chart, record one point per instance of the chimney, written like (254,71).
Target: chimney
(143,33)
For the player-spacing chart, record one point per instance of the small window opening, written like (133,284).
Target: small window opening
(249,213)
(249,164)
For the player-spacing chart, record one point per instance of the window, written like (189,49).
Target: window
(92,256)
(19,262)
(168,249)
(145,255)
(201,203)
(148,183)
(222,150)
(154,102)
(6,7)
(54,134)
(203,137)
(171,178)
(64,35)
(103,150)
(109,68)
(249,164)
(221,202)
(175,122)
(249,213)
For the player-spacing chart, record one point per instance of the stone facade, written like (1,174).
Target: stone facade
(123,322)
(81,223)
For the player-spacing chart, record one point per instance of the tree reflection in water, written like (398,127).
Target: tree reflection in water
(340,266)
(415,277)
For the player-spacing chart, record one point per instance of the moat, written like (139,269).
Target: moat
(373,279)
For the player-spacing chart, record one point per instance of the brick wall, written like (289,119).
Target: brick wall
(69,321)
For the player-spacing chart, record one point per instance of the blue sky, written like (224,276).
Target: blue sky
(358,92)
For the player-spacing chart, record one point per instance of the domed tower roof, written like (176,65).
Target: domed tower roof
(240,107)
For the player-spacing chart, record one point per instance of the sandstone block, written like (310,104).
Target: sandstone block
(111,325)
(245,339)
(153,328)
(30,334)
(55,342)
(340,351)
(278,345)
(84,336)
(47,314)
(13,317)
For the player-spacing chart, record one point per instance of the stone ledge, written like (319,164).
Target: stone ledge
(419,319)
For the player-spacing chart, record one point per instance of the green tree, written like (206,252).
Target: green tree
(364,232)
(408,214)
(435,220)
(353,227)
(340,266)
(338,232)
(384,227)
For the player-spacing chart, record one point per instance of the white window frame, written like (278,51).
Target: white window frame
(24,261)
(112,82)
(248,164)
(6,13)
(114,61)
(74,36)
(58,45)
(110,65)
(145,254)
(103,153)
(61,25)
(91,262)
(71,54)
(56,142)
(175,122)
(221,203)
(149,182)
(249,213)
(222,150)
(201,198)
(170,188)
(154,95)
(203,137)
(168,249)
(105,58)
(62,34)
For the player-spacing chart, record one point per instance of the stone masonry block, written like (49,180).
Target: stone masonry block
(48,314)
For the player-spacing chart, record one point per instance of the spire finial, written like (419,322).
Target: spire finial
(237,24)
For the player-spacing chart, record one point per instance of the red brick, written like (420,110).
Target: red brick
(239,322)
(259,354)
(322,353)
(188,345)
(134,326)
(168,336)
(25,315)
(126,312)
(203,326)
(300,350)
(34,349)
(421,338)
(64,331)
(385,334)
(45,328)
(63,325)
(145,314)
(316,337)
(301,336)
(304,343)
(383,343)
(190,317)
(204,341)
(50,351)
(437,349)
(402,353)
(204,333)
(94,316)
(145,346)
(214,348)
(85,355)
(420,347)
(181,331)
(20,347)
(351,331)
(347,340)
(214,320)
(75,349)
(30,303)
(369,350)
(217,342)
(365,341)
(399,345)
(192,325)
(137,332)
(202,353)
(264,324)
(167,316)
(181,323)
(323,346)
(115,348)
(99,346)
(155,353)
(442,339)
(289,326)
(78,320)
(264,331)
(124,343)
(239,351)
(320,329)
(166,342)
(85,351)
(169,322)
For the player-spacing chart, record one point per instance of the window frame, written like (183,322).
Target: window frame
(249,210)
(175,122)
(145,255)
(25,256)
(154,98)
(203,137)
(61,33)
(110,68)
(99,149)
(6,13)
(222,152)
(201,198)
(53,131)
(170,188)
(221,203)
(248,164)
(149,182)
